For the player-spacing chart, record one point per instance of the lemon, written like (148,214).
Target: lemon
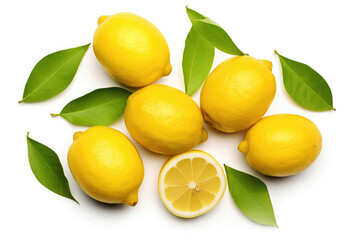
(164,120)
(106,165)
(282,145)
(237,93)
(191,184)
(131,49)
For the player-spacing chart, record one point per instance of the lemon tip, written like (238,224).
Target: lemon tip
(204,136)
(267,63)
(102,19)
(132,199)
(243,147)
(167,69)
(77,135)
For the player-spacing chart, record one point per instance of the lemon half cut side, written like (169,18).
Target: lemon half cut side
(191,184)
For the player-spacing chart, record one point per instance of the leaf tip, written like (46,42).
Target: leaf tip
(85,47)
(274,224)
(75,200)
(189,92)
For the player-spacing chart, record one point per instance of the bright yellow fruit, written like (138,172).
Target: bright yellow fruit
(191,184)
(131,49)
(106,165)
(237,93)
(282,145)
(164,120)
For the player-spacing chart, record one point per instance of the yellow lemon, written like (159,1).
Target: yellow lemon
(106,165)
(191,184)
(164,120)
(282,145)
(237,93)
(131,49)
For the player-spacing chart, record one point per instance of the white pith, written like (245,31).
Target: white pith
(190,155)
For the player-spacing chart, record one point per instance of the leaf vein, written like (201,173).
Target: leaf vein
(91,108)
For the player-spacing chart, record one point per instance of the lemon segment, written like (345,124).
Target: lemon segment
(191,184)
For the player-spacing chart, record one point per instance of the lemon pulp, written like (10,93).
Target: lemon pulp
(191,184)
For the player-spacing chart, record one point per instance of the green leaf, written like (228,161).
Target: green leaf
(213,33)
(197,61)
(251,196)
(52,74)
(305,86)
(47,168)
(100,107)
(193,15)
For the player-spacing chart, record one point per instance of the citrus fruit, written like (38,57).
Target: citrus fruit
(164,120)
(106,165)
(191,184)
(131,49)
(237,93)
(282,145)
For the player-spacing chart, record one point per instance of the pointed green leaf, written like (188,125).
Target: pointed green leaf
(251,196)
(52,74)
(46,166)
(193,15)
(197,61)
(213,33)
(100,107)
(305,86)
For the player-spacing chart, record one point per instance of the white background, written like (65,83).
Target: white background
(321,202)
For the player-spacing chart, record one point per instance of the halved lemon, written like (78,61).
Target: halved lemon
(191,184)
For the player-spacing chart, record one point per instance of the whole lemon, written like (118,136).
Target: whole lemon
(282,145)
(106,165)
(164,120)
(131,49)
(237,93)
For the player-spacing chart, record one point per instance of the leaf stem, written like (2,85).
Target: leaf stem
(54,115)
